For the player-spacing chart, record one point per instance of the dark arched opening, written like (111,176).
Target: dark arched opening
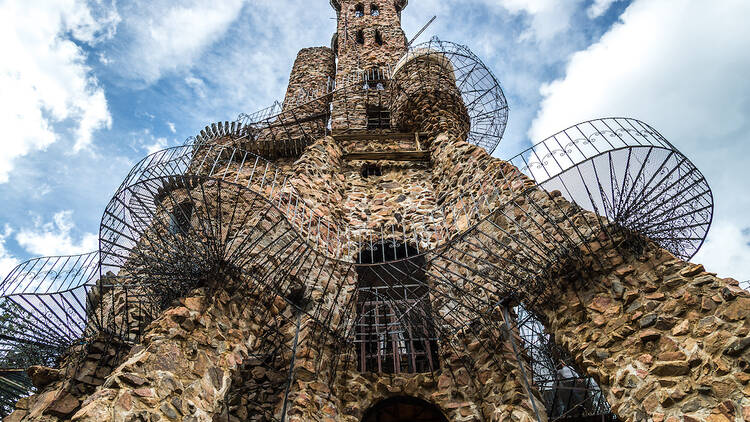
(359,10)
(374,10)
(403,409)
(378,38)
(395,332)
(179,219)
(360,37)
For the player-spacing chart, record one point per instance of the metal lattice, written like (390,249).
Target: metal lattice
(280,131)
(220,217)
(480,91)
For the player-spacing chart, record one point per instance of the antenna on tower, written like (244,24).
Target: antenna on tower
(421,30)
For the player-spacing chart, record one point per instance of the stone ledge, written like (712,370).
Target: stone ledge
(389,155)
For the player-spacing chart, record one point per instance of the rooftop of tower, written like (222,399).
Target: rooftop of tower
(336,4)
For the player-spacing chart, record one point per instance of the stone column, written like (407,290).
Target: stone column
(182,369)
(666,340)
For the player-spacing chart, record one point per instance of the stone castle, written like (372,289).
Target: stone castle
(355,253)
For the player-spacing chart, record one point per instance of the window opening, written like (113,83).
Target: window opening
(369,170)
(395,329)
(374,10)
(360,37)
(179,218)
(403,409)
(374,78)
(378,37)
(378,117)
(359,10)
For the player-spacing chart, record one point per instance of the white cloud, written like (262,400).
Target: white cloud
(44,81)
(56,237)
(7,261)
(197,85)
(684,71)
(171,127)
(599,7)
(548,17)
(166,36)
(727,251)
(158,145)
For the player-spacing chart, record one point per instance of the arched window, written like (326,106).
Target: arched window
(403,409)
(359,10)
(374,10)
(360,37)
(395,329)
(378,37)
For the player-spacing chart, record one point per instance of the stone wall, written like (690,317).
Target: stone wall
(426,98)
(61,390)
(313,72)
(669,366)
(666,340)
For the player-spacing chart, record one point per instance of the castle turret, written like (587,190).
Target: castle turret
(368,34)
(368,41)
(312,76)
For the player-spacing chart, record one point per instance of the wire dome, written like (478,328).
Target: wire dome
(49,298)
(624,170)
(480,89)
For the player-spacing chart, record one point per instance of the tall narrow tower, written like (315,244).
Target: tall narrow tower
(368,42)
(354,253)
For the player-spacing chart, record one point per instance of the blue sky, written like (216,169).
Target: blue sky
(87,88)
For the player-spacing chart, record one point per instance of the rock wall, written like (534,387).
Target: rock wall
(185,365)
(491,390)
(667,340)
(313,74)
(61,390)
(426,98)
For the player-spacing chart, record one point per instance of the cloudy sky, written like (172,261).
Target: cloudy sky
(89,87)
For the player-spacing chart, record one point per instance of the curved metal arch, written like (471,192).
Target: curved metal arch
(51,295)
(578,146)
(480,89)
(491,260)
(642,181)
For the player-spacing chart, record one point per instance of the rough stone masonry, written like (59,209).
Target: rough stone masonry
(665,339)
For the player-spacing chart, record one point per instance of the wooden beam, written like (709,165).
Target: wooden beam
(389,155)
(364,136)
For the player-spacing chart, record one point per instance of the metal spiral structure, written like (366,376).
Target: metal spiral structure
(447,64)
(14,384)
(220,217)
(285,130)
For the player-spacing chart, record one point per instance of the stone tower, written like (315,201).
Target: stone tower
(354,253)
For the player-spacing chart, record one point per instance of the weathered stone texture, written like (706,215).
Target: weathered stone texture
(664,338)
(312,75)
(350,105)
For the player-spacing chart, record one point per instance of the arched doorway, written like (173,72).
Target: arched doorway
(403,409)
